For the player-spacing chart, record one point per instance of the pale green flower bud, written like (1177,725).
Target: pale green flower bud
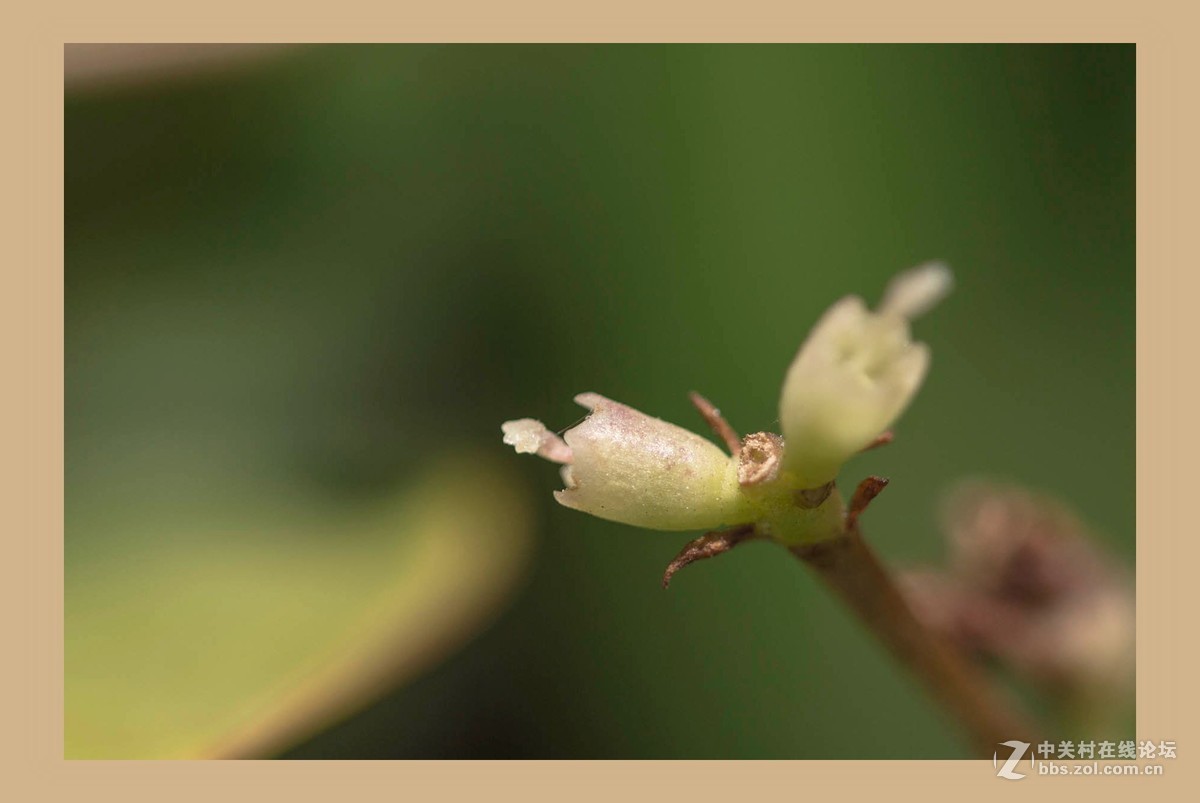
(623,465)
(855,375)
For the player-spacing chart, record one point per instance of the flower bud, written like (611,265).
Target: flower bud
(855,374)
(626,466)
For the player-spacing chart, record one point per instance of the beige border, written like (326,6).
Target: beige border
(32,342)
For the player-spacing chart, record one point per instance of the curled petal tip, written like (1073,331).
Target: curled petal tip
(524,434)
(591,400)
(530,436)
(917,290)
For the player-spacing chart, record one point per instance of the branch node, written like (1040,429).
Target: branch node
(812,498)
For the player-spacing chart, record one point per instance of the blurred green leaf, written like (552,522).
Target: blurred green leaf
(239,640)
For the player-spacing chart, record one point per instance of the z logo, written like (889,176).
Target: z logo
(1018,750)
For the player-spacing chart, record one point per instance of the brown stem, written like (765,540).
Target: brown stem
(852,570)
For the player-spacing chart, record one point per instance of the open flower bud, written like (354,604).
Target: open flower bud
(855,374)
(623,465)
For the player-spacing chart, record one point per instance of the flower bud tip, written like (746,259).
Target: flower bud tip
(915,291)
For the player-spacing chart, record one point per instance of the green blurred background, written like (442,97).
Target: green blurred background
(294,283)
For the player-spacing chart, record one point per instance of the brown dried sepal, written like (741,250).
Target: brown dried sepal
(883,440)
(867,490)
(720,427)
(707,546)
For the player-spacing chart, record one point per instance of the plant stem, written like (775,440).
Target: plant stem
(852,570)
